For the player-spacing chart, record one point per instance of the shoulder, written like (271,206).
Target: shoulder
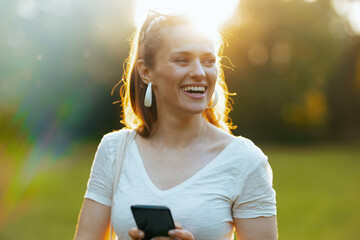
(112,139)
(239,148)
(245,154)
(116,136)
(248,146)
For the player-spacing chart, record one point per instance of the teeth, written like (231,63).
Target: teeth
(193,88)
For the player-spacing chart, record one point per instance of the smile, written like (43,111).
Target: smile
(199,90)
(194,92)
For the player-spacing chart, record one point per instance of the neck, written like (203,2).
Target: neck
(174,131)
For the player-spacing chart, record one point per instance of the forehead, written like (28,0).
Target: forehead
(185,38)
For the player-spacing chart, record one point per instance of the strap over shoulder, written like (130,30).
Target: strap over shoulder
(127,137)
(125,141)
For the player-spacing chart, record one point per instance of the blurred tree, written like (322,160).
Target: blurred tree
(286,53)
(343,91)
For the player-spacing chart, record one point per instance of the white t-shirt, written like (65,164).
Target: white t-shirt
(237,183)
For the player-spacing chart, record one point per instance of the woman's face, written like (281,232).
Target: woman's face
(185,72)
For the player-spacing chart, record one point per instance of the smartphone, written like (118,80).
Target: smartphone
(155,221)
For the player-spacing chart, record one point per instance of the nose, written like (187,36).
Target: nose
(197,70)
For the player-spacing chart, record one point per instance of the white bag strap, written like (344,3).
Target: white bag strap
(123,147)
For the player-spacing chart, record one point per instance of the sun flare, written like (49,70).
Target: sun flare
(207,14)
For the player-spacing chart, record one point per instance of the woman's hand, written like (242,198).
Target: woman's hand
(177,233)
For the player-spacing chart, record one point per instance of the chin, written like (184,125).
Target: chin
(194,110)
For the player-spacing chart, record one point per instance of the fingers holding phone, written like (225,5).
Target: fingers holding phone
(136,234)
(156,222)
(179,233)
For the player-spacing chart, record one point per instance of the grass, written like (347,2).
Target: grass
(317,191)
(54,199)
(317,194)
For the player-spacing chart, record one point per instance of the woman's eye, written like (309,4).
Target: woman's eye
(209,61)
(181,60)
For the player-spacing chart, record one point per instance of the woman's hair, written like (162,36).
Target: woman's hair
(144,45)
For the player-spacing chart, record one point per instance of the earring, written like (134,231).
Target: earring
(148,96)
(215,100)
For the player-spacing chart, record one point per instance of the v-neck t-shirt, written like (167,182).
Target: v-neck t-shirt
(237,183)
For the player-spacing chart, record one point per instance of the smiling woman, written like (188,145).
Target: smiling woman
(178,57)
(175,56)
(175,102)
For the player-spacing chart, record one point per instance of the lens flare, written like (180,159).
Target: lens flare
(208,15)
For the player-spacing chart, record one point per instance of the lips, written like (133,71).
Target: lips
(194,91)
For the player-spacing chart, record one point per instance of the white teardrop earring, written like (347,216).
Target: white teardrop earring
(215,100)
(148,96)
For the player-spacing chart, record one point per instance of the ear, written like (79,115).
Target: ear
(144,71)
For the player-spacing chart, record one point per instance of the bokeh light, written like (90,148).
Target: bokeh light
(350,10)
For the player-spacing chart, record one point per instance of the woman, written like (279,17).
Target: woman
(183,155)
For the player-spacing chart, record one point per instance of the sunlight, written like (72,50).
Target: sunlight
(354,17)
(350,10)
(207,14)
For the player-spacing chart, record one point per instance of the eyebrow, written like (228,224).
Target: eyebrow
(189,53)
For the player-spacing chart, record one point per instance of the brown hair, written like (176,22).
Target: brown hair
(144,45)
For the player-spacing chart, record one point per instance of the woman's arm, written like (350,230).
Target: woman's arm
(93,221)
(261,228)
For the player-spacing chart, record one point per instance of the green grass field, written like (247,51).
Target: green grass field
(317,188)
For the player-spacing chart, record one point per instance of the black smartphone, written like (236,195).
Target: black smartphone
(155,221)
